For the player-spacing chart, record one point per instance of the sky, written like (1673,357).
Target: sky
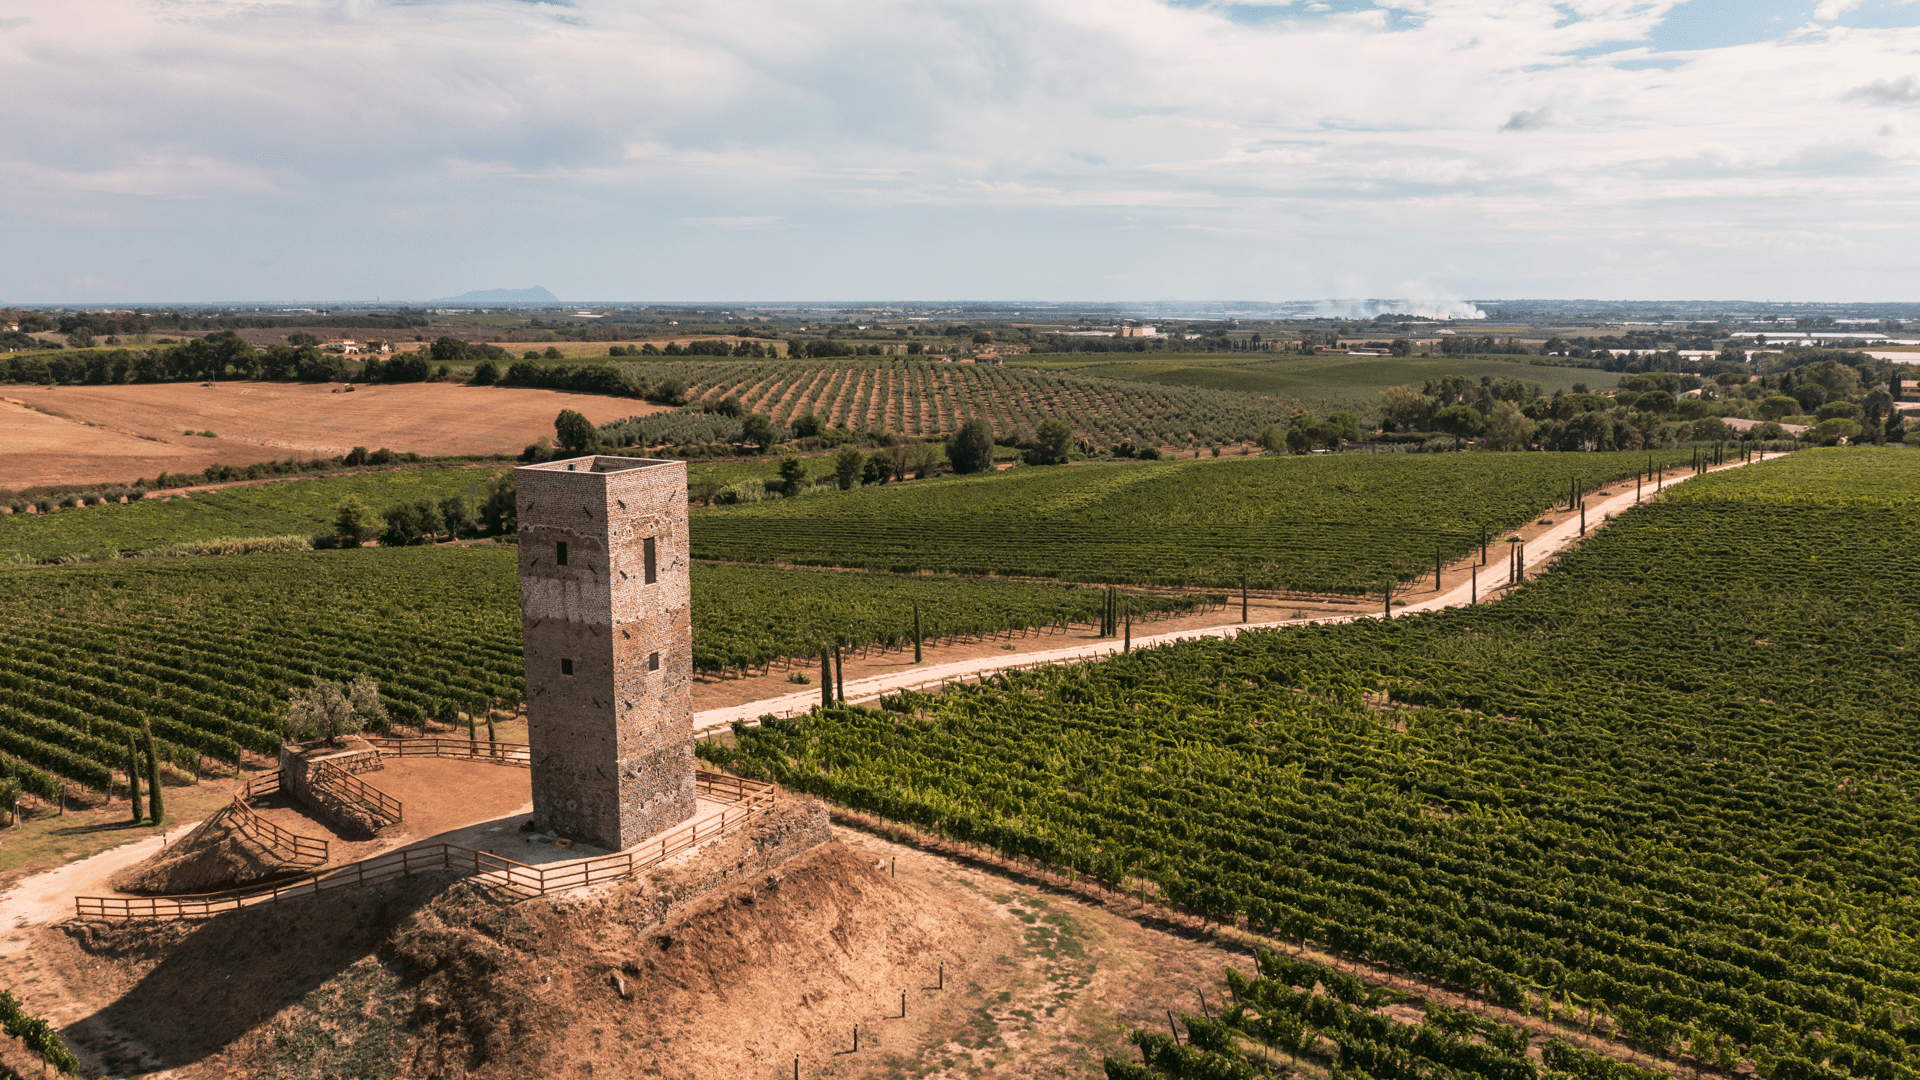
(819,150)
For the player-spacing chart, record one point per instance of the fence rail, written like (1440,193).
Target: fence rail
(488,750)
(327,774)
(749,798)
(301,849)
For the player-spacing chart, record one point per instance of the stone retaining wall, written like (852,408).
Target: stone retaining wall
(349,818)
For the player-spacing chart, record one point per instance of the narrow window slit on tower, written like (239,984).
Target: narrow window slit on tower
(560,553)
(651,558)
(566,667)
(653,661)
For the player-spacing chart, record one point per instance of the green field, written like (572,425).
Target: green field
(276,508)
(1326,522)
(209,647)
(1326,383)
(1669,788)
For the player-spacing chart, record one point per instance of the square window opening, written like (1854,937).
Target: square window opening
(566,667)
(650,554)
(560,553)
(653,661)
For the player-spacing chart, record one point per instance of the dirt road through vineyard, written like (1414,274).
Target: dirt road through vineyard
(1541,548)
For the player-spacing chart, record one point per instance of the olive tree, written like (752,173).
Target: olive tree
(330,710)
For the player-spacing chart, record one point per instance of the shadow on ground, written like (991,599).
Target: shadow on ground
(212,981)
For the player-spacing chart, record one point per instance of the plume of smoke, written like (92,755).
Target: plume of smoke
(1431,308)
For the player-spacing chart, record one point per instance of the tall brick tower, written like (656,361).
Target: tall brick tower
(604,597)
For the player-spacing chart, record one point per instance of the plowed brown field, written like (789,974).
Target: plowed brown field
(115,434)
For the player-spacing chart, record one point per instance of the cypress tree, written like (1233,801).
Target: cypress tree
(826,678)
(916,631)
(133,780)
(154,808)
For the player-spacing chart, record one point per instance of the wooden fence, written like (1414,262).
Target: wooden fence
(747,798)
(487,750)
(326,774)
(301,849)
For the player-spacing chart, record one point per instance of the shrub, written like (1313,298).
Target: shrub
(355,523)
(846,467)
(971,448)
(485,373)
(575,433)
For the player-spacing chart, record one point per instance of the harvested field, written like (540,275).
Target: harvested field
(114,434)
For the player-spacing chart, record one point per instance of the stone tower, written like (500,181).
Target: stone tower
(604,610)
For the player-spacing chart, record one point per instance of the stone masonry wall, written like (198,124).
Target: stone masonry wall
(296,768)
(612,742)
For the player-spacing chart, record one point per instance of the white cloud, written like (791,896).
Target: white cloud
(1833,9)
(1904,90)
(1277,157)
(1525,120)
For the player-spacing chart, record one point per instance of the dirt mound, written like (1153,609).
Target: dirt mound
(772,941)
(732,984)
(217,855)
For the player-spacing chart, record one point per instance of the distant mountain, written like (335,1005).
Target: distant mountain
(529,297)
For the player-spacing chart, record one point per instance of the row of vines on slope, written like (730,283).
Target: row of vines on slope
(1670,785)
(1298,1013)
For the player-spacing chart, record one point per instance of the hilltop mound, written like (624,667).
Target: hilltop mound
(729,983)
(217,855)
(771,941)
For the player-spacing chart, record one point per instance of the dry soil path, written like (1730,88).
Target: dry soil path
(1539,551)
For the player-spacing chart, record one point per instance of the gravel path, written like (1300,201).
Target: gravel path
(1540,550)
